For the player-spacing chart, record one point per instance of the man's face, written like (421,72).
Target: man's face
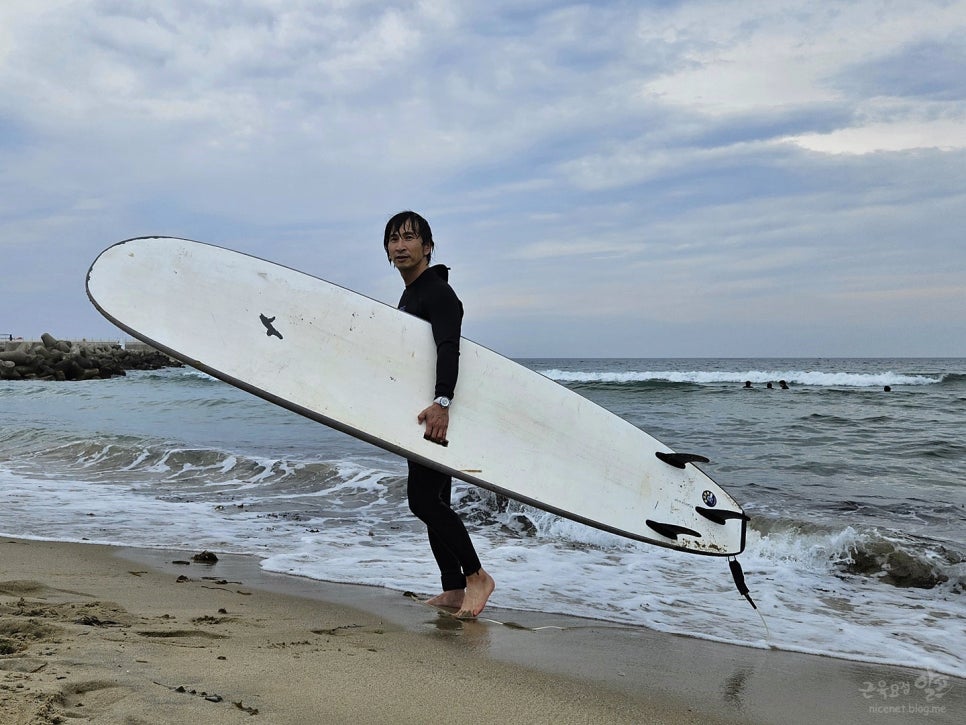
(406,248)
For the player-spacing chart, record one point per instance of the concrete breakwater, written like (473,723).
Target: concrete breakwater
(53,359)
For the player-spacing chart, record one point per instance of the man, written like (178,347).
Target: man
(408,242)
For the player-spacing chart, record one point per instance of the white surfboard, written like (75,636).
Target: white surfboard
(366,368)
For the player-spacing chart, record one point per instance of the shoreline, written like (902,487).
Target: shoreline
(109,634)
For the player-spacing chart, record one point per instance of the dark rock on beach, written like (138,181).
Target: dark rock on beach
(53,359)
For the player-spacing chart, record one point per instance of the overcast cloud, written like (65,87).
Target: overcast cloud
(605,179)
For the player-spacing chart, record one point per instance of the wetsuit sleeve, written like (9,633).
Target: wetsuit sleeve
(446,319)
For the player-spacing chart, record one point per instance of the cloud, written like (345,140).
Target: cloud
(607,163)
(901,136)
(882,64)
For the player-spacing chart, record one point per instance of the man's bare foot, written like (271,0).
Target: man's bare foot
(479,587)
(450,598)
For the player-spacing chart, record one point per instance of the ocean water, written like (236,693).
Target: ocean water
(856,544)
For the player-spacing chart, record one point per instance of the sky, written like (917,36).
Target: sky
(605,179)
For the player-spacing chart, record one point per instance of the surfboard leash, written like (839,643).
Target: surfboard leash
(739,576)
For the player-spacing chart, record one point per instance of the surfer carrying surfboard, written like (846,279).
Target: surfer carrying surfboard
(408,243)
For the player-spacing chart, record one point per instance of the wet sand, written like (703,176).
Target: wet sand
(104,635)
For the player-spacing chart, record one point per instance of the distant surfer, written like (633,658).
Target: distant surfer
(408,242)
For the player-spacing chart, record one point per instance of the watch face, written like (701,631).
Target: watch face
(444,402)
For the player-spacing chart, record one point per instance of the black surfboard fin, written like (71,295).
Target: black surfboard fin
(678,460)
(721,516)
(671,531)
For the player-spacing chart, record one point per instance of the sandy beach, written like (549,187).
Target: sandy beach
(105,635)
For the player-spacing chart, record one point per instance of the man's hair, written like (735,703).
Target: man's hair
(415,222)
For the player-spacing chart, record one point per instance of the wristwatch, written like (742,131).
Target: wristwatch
(442,401)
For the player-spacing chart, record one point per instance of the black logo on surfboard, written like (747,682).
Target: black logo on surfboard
(269,328)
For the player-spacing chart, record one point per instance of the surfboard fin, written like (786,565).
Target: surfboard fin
(719,516)
(678,460)
(671,531)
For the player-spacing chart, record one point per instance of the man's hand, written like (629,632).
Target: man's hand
(436,418)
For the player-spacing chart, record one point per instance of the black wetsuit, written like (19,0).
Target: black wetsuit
(430,298)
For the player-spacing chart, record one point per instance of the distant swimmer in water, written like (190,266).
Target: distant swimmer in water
(887,388)
(783,385)
(747,383)
(769,386)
